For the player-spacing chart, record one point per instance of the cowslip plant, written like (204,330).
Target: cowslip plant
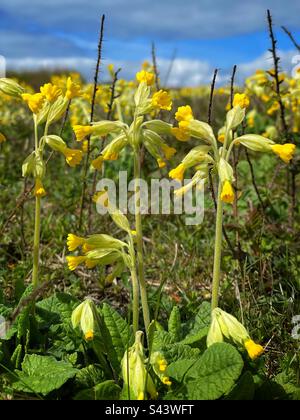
(101,249)
(209,157)
(47,107)
(140,132)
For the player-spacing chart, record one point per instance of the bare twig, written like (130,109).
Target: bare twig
(276,60)
(113,97)
(232,85)
(95,89)
(169,71)
(290,35)
(291,173)
(211,96)
(155,68)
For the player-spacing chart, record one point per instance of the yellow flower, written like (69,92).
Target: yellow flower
(89,335)
(284,151)
(73,157)
(265,98)
(85,146)
(184,113)
(162,365)
(177,173)
(227,194)
(50,92)
(169,152)
(275,107)
(161,163)
(146,77)
(91,263)
(162,100)
(73,89)
(39,190)
(97,163)
(82,131)
(241,100)
(221,137)
(73,242)
(34,102)
(2,138)
(254,350)
(110,155)
(166,381)
(74,262)
(101,197)
(181,133)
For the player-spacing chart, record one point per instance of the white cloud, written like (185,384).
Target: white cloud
(185,72)
(196,19)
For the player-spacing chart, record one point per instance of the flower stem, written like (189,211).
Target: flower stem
(139,239)
(37,223)
(135,289)
(218,251)
(36,243)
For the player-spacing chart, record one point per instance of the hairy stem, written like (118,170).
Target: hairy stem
(139,239)
(218,251)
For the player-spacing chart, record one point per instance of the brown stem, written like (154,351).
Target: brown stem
(108,117)
(87,158)
(155,68)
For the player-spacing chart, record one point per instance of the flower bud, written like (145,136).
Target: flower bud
(84,316)
(255,142)
(57,109)
(104,241)
(56,143)
(137,380)
(234,117)
(158,126)
(202,131)
(102,128)
(225,171)
(28,165)
(10,87)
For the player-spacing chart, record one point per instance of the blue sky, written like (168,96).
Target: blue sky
(206,34)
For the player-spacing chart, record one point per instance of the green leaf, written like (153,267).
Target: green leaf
(288,381)
(56,309)
(174,325)
(179,351)
(107,390)
(197,329)
(244,389)
(88,377)
(119,330)
(43,374)
(178,369)
(215,373)
(161,339)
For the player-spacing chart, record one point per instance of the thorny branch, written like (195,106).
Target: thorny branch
(211,183)
(155,68)
(95,89)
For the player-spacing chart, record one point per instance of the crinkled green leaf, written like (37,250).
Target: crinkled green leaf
(43,374)
(120,333)
(174,324)
(107,390)
(215,373)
